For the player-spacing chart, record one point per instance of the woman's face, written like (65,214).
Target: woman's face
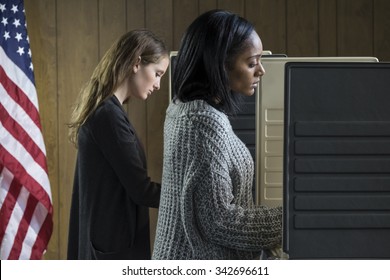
(245,72)
(146,78)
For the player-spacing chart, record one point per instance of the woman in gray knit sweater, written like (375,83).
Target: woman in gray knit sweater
(206,206)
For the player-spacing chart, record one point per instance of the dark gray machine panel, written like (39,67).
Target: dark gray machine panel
(337,160)
(244,124)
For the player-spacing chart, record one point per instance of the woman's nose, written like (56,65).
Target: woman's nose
(261,70)
(156,86)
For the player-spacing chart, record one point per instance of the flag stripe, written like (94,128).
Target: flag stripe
(22,137)
(12,189)
(27,177)
(22,118)
(43,235)
(23,228)
(4,184)
(14,207)
(19,97)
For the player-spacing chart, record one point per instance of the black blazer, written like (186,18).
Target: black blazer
(109,216)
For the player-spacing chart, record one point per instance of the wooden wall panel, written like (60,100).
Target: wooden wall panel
(41,18)
(136,109)
(355,27)
(302,28)
(327,27)
(206,5)
(184,12)
(77,57)
(112,23)
(269,19)
(235,6)
(135,14)
(382,29)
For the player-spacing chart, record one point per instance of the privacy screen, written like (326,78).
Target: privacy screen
(337,160)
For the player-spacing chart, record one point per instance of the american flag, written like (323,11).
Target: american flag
(26,210)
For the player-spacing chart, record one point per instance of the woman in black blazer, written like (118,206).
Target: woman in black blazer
(109,216)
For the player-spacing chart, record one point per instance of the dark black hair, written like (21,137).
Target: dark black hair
(208,48)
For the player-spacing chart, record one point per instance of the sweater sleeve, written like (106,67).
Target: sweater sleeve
(218,218)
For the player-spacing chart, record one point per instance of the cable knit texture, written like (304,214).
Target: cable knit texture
(206,207)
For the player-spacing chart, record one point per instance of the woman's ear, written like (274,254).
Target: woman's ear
(137,65)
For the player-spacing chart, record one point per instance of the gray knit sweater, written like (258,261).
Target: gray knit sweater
(206,206)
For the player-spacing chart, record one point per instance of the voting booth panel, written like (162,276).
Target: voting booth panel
(337,161)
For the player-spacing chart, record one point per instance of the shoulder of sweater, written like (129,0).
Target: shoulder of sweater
(198,111)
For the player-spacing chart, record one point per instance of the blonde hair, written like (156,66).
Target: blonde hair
(115,66)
